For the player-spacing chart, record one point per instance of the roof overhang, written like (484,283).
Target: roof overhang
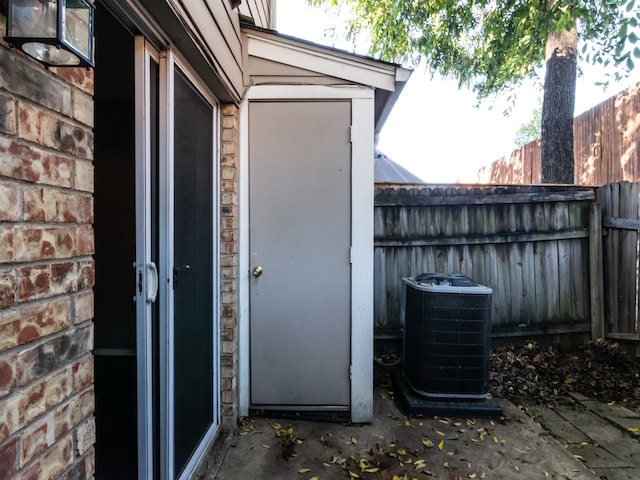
(388,79)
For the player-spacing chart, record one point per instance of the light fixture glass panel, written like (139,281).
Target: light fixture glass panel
(76,29)
(50,54)
(31,18)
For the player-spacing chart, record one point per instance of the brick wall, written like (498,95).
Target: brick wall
(47,429)
(229,264)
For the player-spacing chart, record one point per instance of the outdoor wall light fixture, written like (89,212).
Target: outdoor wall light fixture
(57,33)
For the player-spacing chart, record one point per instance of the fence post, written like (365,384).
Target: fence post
(595,272)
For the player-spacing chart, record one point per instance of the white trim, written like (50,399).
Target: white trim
(165,220)
(144,55)
(331,63)
(362,148)
(362,101)
(243,263)
(197,457)
(291,92)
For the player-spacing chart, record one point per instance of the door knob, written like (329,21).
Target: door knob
(257,271)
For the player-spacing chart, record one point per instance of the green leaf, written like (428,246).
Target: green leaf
(636,52)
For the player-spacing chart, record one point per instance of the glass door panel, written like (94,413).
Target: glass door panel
(193,176)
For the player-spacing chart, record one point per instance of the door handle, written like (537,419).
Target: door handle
(152,282)
(257,271)
(178,270)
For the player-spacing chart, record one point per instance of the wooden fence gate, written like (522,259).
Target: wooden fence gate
(620,225)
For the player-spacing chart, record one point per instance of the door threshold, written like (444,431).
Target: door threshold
(318,414)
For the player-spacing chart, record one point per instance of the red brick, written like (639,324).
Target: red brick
(83,179)
(229,247)
(8,123)
(35,282)
(82,374)
(10,202)
(7,288)
(80,77)
(51,464)
(9,417)
(43,358)
(8,379)
(228,311)
(35,440)
(229,186)
(29,322)
(62,420)
(47,129)
(86,275)
(82,406)
(90,463)
(85,240)
(23,406)
(24,162)
(8,458)
(82,107)
(83,307)
(37,399)
(41,243)
(64,277)
(7,243)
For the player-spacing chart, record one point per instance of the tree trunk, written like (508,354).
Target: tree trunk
(557,163)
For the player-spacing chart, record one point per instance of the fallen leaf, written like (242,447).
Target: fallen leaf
(401,451)
(265,445)
(634,429)
(371,470)
(276,426)
(314,478)
(353,475)
(441,445)
(427,443)
(304,470)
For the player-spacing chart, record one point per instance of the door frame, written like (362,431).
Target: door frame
(169,60)
(362,152)
(144,55)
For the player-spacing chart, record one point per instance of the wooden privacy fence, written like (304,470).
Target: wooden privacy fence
(620,252)
(530,244)
(606,147)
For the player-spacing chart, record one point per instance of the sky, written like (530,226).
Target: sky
(435,130)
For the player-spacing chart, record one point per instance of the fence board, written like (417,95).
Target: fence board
(606,147)
(525,250)
(620,259)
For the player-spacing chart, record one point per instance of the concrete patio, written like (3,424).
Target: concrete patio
(586,440)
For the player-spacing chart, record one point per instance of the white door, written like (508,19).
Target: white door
(300,240)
